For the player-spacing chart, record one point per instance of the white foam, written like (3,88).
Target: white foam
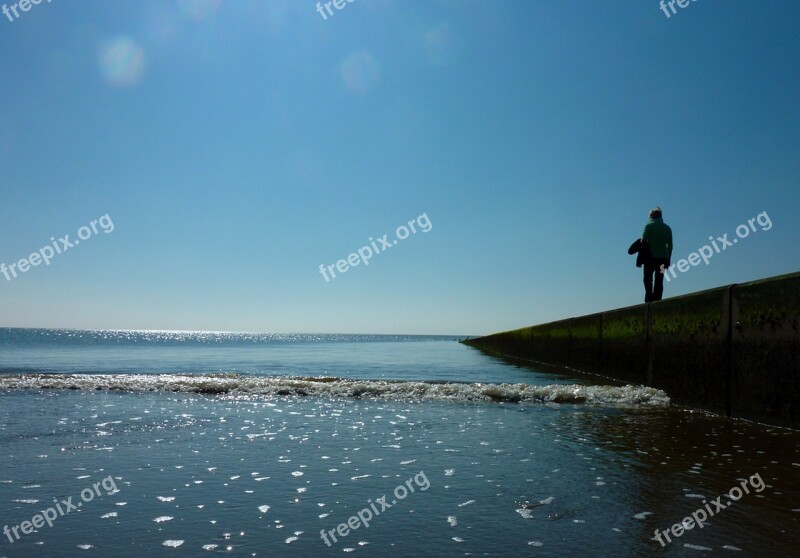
(238,385)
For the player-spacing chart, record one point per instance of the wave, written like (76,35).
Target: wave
(238,384)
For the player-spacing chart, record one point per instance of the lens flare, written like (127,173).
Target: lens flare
(360,72)
(199,10)
(443,45)
(122,62)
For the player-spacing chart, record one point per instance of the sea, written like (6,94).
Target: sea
(168,443)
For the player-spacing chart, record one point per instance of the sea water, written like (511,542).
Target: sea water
(203,444)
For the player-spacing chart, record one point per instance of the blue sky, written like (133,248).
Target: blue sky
(239,145)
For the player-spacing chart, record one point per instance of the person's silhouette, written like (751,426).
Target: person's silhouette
(657,237)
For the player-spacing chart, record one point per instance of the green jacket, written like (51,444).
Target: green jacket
(658,236)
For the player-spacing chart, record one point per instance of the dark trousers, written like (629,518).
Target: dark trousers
(653,292)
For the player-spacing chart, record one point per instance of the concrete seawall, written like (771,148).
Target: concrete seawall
(732,350)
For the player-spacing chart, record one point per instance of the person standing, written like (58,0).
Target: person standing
(657,237)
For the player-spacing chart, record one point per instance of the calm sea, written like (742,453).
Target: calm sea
(127,444)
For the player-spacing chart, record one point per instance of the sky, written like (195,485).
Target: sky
(224,157)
